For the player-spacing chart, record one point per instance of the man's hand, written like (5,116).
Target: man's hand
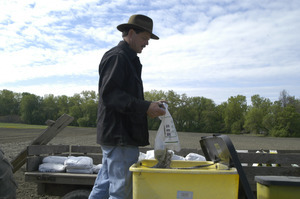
(156,109)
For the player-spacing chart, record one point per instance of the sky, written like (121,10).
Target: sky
(209,48)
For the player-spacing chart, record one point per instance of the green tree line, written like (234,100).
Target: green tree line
(190,114)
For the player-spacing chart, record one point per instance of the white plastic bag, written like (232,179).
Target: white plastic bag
(149,155)
(167,137)
(195,157)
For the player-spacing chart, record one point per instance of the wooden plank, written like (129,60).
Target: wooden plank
(42,139)
(47,149)
(288,151)
(97,158)
(268,150)
(53,130)
(19,160)
(86,149)
(60,178)
(266,158)
(33,163)
(277,171)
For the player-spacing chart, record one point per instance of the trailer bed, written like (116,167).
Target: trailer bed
(285,163)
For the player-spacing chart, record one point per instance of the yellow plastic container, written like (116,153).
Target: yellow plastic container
(181,181)
(277,187)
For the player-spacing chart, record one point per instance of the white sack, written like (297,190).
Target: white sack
(52,167)
(81,162)
(55,159)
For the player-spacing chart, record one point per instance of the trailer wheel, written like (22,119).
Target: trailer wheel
(77,194)
(8,185)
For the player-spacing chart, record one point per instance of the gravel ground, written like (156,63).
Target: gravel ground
(13,141)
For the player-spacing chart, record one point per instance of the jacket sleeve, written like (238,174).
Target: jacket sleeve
(114,76)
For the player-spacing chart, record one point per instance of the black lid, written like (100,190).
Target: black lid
(219,148)
(215,149)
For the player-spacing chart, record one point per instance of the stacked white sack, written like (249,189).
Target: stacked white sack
(81,164)
(53,164)
(55,159)
(52,167)
(73,164)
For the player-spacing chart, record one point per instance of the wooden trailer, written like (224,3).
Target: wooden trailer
(68,185)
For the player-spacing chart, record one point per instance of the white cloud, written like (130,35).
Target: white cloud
(243,47)
(24,68)
(206,48)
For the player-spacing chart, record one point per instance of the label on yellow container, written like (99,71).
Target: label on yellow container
(184,195)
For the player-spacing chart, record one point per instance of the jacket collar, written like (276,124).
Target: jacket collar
(125,46)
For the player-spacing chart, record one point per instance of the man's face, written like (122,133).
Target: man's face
(139,41)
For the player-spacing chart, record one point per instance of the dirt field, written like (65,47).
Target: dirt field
(12,141)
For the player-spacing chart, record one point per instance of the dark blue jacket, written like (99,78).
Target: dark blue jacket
(122,117)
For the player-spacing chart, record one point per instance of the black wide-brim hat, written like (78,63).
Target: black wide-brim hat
(141,22)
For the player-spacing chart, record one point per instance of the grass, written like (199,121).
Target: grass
(21,126)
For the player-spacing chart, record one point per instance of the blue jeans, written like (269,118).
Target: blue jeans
(114,180)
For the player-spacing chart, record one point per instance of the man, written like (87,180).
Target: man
(122,113)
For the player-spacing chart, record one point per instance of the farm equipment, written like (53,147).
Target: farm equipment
(8,185)
(217,149)
(61,184)
(70,184)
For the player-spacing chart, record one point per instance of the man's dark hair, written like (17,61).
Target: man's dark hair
(126,31)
